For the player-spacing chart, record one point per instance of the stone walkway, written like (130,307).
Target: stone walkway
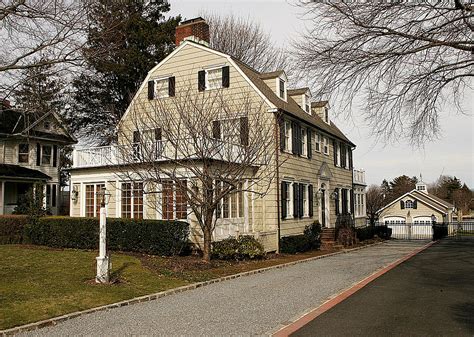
(254,305)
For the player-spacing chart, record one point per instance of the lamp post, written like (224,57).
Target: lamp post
(103,261)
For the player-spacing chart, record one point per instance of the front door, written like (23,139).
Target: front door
(323,207)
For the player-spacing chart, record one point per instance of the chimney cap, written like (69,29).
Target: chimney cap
(186,22)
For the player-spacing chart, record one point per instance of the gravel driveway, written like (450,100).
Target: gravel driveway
(253,305)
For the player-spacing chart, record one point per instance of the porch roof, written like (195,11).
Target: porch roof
(20,172)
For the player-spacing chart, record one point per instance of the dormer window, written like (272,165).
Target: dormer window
(326,115)
(282,89)
(307,105)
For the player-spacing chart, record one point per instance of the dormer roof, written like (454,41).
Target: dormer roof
(271,74)
(319,104)
(299,91)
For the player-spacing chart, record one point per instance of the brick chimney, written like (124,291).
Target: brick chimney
(195,29)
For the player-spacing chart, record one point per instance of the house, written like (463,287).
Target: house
(30,145)
(415,211)
(313,164)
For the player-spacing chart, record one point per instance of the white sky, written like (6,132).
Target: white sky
(452,154)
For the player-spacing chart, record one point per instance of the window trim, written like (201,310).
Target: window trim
(133,188)
(304,142)
(206,77)
(326,145)
(237,195)
(155,90)
(27,153)
(43,156)
(288,137)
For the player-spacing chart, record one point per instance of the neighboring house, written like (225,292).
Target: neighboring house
(417,207)
(314,179)
(360,207)
(29,155)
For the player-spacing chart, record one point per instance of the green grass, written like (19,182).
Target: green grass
(37,283)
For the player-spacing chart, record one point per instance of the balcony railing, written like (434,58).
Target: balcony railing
(184,149)
(359,176)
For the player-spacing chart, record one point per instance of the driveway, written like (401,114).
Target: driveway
(253,305)
(431,294)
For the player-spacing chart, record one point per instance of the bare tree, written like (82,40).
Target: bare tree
(375,201)
(195,151)
(245,40)
(405,60)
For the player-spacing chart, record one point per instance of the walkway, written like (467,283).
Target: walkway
(254,305)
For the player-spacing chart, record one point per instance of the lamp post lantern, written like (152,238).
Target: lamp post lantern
(103,261)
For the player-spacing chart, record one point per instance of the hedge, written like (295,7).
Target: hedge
(156,237)
(244,247)
(309,240)
(366,233)
(12,228)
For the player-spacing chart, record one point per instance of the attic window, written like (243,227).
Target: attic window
(47,125)
(307,105)
(161,88)
(282,88)
(214,78)
(326,115)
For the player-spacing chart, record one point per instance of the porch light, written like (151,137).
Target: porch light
(74,194)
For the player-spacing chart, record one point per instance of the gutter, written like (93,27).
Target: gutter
(277,157)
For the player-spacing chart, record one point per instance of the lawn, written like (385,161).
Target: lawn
(37,283)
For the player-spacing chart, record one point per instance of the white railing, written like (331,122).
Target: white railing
(160,151)
(359,176)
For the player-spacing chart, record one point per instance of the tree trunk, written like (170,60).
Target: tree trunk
(207,234)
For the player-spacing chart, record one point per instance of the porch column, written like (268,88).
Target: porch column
(246,207)
(2,197)
(118,199)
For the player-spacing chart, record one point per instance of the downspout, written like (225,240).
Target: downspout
(277,158)
(353,193)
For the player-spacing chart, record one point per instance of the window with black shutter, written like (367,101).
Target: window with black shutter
(151,89)
(171,86)
(244,131)
(301,200)
(308,142)
(216,129)
(310,200)
(55,155)
(284,193)
(343,155)
(415,204)
(296,200)
(225,77)
(344,201)
(402,204)
(334,146)
(38,154)
(201,80)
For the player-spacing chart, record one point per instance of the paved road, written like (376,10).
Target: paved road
(431,294)
(252,305)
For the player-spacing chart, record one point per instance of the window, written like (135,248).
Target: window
(167,199)
(326,145)
(92,204)
(408,204)
(347,163)
(288,200)
(420,188)
(326,115)
(282,88)
(318,142)
(338,153)
(214,78)
(287,146)
(174,203)
(181,203)
(304,142)
(46,155)
(232,204)
(307,105)
(162,88)
(23,153)
(136,145)
(230,130)
(132,200)
(241,200)
(305,200)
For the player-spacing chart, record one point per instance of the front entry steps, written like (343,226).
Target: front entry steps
(328,239)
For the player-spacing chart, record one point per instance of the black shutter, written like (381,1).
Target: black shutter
(216,129)
(294,138)
(310,200)
(158,134)
(415,204)
(296,203)
(151,89)
(350,158)
(201,80)
(336,201)
(308,140)
(334,145)
(281,123)
(38,154)
(284,188)
(225,77)
(244,131)
(352,201)
(136,136)
(53,196)
(300,139)
(55,155)
(402,204)
(301,210)
(171,86)
(343,154)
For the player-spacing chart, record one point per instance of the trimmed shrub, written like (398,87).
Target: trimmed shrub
(383,232)
(310,239)
(243,248)
(154,237)
(439,232)
(12,228)
(365,233)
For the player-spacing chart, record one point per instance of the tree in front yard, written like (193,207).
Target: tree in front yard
(405,59)
(375,201)
(196,152)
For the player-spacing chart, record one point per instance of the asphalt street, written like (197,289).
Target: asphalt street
(431,294)
(253,305)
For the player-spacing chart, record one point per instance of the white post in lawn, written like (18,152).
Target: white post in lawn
(103,262)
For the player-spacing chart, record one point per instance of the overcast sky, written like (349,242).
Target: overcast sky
(452,154)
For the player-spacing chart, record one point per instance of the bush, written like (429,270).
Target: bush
(439,232)
(243,248)
(12,228)
(144,236)
(310,239)
(365,233)
(383,232)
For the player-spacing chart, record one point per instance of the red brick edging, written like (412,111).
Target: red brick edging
(308,317)
(146,298)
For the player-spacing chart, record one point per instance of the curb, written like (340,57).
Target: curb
(146,298)
(307,317)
